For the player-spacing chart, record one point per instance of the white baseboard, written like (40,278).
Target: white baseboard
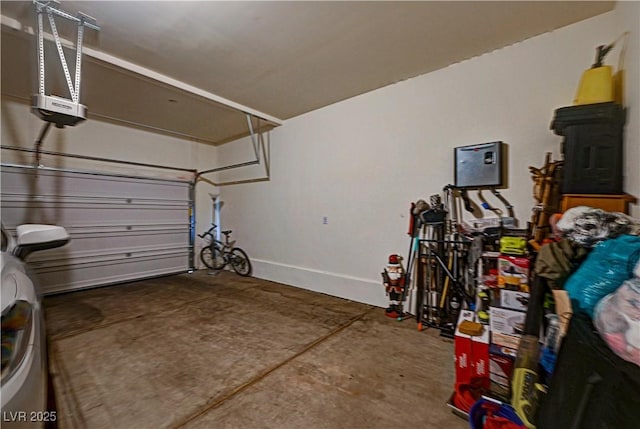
(352,288)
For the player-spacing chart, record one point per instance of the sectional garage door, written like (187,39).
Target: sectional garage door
(122,228)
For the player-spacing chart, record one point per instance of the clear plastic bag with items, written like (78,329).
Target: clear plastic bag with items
(617,318)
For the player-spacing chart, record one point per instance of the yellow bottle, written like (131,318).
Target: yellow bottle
(596,84)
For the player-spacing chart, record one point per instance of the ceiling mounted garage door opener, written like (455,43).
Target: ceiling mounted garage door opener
(50,108)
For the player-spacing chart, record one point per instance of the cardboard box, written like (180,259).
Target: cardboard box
(513,272)
(505,321)
(509,341)
(514,300)
(501,363)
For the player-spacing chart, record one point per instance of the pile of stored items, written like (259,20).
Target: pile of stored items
(552,336)
(546,326)
(545,320)
(589,273)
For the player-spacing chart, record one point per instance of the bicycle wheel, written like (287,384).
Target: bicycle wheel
(240,262)
(212,258)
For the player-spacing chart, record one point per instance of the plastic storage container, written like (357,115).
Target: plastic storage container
(596,86)
(592,147)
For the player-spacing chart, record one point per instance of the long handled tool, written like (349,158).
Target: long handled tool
(445,289)
(485,205)
(412,234)
(413,228)
(504,201)
(524,397)
(420,283)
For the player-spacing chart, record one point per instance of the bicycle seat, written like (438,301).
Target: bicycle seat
(227,232)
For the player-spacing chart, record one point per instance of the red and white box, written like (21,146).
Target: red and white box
(471,354)
(462,347)
(480,358)
(501,362)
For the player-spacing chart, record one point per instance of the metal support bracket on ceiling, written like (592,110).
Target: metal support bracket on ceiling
(261,148)
(259,145)
(125,66)
(59,110)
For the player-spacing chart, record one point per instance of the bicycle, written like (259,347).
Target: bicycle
(217,254)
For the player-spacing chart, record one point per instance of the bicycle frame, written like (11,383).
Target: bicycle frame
(227,253)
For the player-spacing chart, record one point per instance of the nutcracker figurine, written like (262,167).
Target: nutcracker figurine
(393,278)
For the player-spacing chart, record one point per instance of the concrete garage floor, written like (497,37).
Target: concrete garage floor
(202,351)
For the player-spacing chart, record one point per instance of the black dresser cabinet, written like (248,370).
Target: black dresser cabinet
(592,147)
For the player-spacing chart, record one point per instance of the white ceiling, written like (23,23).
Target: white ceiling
(279,58)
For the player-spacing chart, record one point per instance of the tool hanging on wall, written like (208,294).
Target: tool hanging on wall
(504,201)
(468,205)
(509,221)
(485,205)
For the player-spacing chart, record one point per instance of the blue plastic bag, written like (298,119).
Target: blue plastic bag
(609,264)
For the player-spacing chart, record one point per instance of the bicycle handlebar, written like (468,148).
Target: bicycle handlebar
(204,234)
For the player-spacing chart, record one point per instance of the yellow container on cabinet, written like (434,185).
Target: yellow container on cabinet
(618,87)
(596,86)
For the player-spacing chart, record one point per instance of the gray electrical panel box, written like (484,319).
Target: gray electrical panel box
(479,165)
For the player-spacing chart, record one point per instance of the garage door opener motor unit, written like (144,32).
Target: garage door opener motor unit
(59,110)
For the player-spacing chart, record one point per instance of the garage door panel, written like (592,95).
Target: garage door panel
(45,182)
(90,274)
(67,256)
(88,258)
(77,215)
(136,228)
(84,201)
(121,240)
(116,239)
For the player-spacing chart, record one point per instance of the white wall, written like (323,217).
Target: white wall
(627,16)
(101,139)
(362,161)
